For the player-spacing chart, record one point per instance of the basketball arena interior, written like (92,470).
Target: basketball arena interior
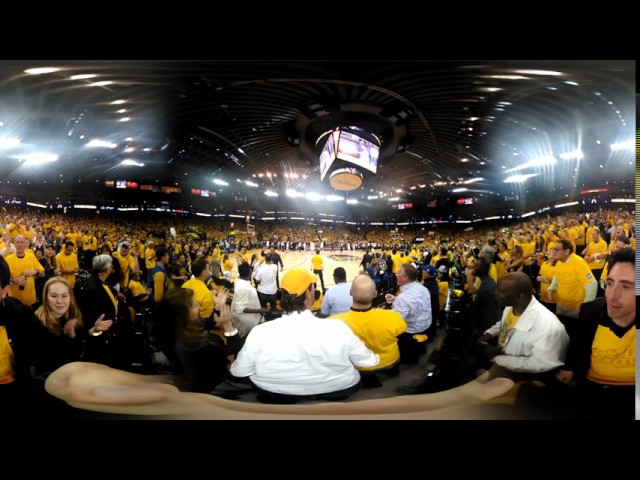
(338,169)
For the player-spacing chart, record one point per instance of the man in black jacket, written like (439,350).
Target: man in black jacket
(598,377)
(366,260)
(99,298)
(600,362)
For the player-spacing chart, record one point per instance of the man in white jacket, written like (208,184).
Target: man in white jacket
(530,341)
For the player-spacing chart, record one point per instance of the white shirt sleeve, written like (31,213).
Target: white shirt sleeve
(360,355)
(244,364)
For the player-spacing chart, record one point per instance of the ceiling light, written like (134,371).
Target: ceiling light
(507,77)
(37,158)
(101,144)
(132,163)
(125,119)
(519,178)
(628,145)
(473,180)
(220,182)
(538,72)
(117,102)
(314,196)
(458,190)
(6,143)
(575,154)
(41,70)
(536,162)
(83,76)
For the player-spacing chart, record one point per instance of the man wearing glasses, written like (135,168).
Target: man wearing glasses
(573,281)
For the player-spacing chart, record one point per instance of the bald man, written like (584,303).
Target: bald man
(530,342)
(377,328)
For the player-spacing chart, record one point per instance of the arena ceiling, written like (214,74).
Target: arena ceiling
(239,129)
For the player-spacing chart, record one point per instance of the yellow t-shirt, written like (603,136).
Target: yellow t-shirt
(136,289)
(89,243)
(501,270)
(126,266)
(443,291)
(506,328)
(493,272)
(572,276)
(594,248)
(7,374)
(150,258)
(203,296)
(17,267)
(378,329)
(613,359)
(317,262)
(528,249)
(74,237)
(68,263)
(227,266)
(546,270)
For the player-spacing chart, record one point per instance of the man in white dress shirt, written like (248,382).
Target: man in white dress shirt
(301,356)
(245,306)
(531,343)
(267,284)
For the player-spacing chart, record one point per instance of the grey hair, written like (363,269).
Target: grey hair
(488,250)
(102,262)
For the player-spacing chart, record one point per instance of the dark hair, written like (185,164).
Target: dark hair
(267,257)
(624,239)
(5,273)
(566,244)
(170,321)
(291,302)
(198,266)
(161,252)
(340,273)
(244,269)
(623,255)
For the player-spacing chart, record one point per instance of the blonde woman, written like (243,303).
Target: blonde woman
(58,336)
(515,262)
(227,266)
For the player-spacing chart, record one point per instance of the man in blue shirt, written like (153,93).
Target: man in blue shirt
(337,299)
(413,303)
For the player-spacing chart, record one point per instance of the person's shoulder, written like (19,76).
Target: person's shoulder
(594,310)
(386,314)
(15,309)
